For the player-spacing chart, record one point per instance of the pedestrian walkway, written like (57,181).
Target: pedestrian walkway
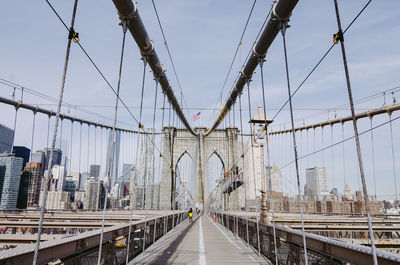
(201,242)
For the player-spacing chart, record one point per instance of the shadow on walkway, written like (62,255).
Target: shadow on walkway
(154,257)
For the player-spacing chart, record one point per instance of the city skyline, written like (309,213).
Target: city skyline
(85,151)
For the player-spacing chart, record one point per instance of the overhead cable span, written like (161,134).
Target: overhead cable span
(127,10)
(36,109)
(281,12)
(368,114)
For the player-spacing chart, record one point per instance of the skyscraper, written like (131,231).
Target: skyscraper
(276,184)
(35,172)
(317,181)
(126,171)
(76,177)
(57,157)
(6,139)
(95,171)
(144,168)
(10,175)
(23,152)
(84,179)
(23,191)
(58,178)
(38,157)
(95,193)
(70,187)
(115,160)
(56,200)
(63,146)
(254,171)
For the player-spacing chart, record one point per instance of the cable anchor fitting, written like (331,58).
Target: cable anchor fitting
(338,37)
(283,25)
(261,61)
(74,36)
(123,23)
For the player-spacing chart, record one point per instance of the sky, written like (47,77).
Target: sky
(202,37)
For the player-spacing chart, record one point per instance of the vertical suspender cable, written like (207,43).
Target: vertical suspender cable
(360,161)
(308,161)
(137,159)
(111,151)
(283,31)
(268,158)
(88,148)
(154,156)
(95,144)
(61,131)
(393,159)
(242,157)
(15,128)
(332,164)
(161,148)
(70,150)
(254,168)
(230,163)
(101,148)
(48,132)
(33,132)
(80,152)
(315,153)
(236,223)
(47,176)
(322,146)
(344,159)
(373,155)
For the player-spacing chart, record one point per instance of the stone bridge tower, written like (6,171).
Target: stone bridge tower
(177,142)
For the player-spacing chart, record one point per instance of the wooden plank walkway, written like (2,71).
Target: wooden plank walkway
(201,242)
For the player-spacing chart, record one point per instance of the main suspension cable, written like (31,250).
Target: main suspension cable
(320,60)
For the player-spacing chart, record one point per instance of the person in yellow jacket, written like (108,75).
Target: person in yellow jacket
(190,214)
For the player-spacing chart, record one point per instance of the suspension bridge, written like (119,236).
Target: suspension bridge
(247,187)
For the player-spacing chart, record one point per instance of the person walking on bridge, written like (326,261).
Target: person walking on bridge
(191,215)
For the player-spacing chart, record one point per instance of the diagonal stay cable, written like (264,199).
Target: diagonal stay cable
(93,63)
(53,142)
(169,54)
(320,60)
(237,50)
(105,79)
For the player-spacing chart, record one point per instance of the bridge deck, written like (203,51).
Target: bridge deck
(201,242)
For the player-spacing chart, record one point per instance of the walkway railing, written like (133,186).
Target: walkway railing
(83,248)
(320,250)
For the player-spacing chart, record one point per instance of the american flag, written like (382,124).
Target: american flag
(196,116)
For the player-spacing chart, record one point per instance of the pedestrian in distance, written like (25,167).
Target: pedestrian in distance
(191,215)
